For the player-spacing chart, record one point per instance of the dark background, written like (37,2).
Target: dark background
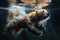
(51,33)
